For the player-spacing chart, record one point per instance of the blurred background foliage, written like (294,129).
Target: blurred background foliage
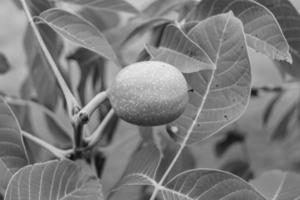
(266,137)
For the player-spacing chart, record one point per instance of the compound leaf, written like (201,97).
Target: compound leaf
(12,152)
(57,180)
(263,32)
(78,30)
(219,96)
(196,184)
(203,184)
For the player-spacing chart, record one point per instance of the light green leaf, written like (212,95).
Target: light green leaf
(279,185)
(219,96)
(110,5)
(177,49)
(56,180)
(12,152)
(203,184)
(263,32)
(78,31)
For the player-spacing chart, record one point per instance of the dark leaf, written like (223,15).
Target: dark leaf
(270,107)
(281,131)
(37,6)
(4,65)
(231,138)
(92,67)
(18,5)
(240,168)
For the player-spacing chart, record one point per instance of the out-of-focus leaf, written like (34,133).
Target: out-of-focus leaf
(41,83)
(147,134)
(289,20)
(110,5)
(240,168)
(219,96)
(281,131)
(141,170)
(263,32)
(92,66)
(268,183)
(12,152)
(180,51)
(144,27)
(231,138)
(162,7)
(186,160)
(37,6)
(78,30)
(103,20)
(270,107)
(4,65)
(57,180)
(289,189)
(18,5)
(157,33)
(44,124)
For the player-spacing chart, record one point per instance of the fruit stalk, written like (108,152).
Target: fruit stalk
(93,139)
(85,113)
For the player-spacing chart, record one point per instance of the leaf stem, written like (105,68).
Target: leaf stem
(92,140)
(184,142)
(59,153)
(69,97)
(85,113)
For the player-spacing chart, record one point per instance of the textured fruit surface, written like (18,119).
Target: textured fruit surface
(149,93)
